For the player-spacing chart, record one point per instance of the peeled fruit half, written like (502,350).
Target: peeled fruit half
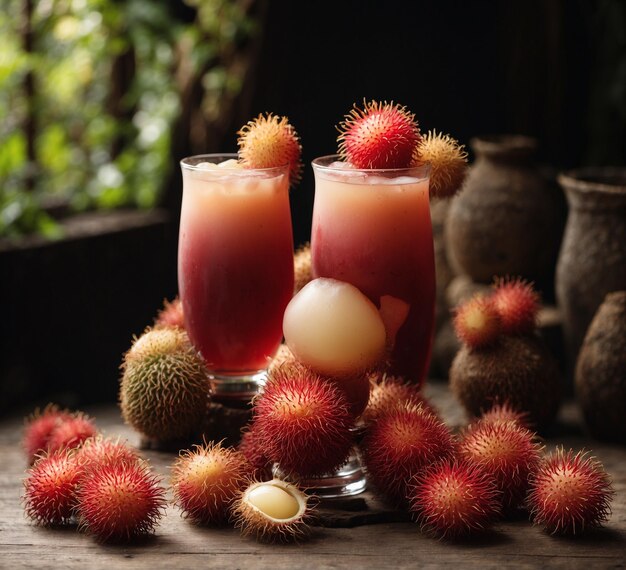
(334,328)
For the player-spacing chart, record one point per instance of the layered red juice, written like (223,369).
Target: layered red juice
(235,264)
(373,229)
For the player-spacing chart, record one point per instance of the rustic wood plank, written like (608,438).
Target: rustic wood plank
(178,544)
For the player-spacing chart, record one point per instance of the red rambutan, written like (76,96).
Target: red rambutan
(401,445)
(207,480)
(171,315)
(570,492)
(120,501)
(505,413)
(454,499)
(477,322)
(517,303)
(50,487)
(72,432)
(303,421)
(252,449)
(381,135)
(99,450)
(506,451)
(39,427)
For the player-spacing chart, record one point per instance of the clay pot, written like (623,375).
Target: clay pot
(592,261)
(508,219)
(601,371)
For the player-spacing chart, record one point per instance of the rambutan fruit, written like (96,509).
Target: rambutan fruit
(120,501)
(477,322)
(380,135)
(303,421)
(448,163)
(99,450)
(39,427)
(302,267)
(269,141)
(505,413)
(72,432)
(171,315)
(283,355)
(389,393)
(165,386)
(517,303)
(570,493)
(273,511)
(251,446)
(507,452)
(50,487)
(401,445)
(206,480)
(453,499)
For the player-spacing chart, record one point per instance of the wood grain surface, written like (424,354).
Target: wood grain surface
(361,533)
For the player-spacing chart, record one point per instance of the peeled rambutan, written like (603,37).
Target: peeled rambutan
(380,135)
(401,445)
(50,487)
(454,499)
(72,432)
(505,413)
(517,304)
(303,421)
(477,323)
(99,450)
(269,141)
(506,451)
(39,427)
(120,501)
(206,480)
(252,449)
(171,315)
(302,267)
(569,493)
(448,163)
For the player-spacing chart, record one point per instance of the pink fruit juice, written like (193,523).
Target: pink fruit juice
(235,262)
(372,228)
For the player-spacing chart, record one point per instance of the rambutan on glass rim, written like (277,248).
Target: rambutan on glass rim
(190,163)
(324,163)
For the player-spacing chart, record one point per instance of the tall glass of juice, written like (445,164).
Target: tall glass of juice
(235,267)
(372,228)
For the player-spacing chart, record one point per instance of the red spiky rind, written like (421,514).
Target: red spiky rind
(389,393)
(508,452)
(98,451)
(206,481)
(39,427)
(401,445)
(120,501)
(380,135)
(477,323)
(171,315)
(506,413)
(570,493)
(72,432)
(517,303)
(304,421)
(271,141)
(252,449)
(50,488)
(453,499)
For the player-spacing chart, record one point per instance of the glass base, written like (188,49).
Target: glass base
(237,388)
(347,481)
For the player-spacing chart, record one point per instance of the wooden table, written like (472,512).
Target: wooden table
(381,539)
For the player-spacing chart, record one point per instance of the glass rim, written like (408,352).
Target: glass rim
(320,161)
(186,165)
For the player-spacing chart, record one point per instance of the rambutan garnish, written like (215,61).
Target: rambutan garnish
(171,315)
(120,501)
(569,493)
(50,487)
(72,432)
(506,451)
(401,445)
(206,481)
(505,413)
(448,163)
(39,427)
(454,499)
(269,141)
(303,421)
(380,135)
(477,323)
(517,303)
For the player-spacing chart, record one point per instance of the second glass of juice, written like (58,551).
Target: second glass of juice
(235,267)
(372,228)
